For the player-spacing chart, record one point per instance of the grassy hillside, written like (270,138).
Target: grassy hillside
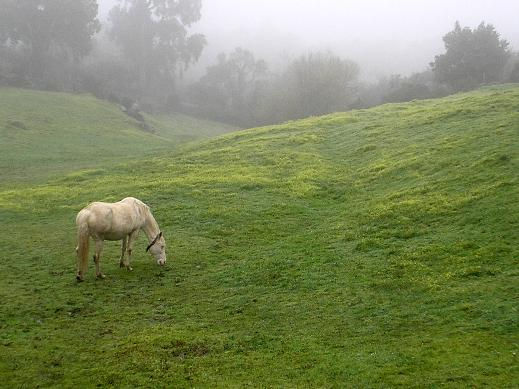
(44,134)
(368,249)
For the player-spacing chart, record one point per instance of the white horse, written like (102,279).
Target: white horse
(116,221)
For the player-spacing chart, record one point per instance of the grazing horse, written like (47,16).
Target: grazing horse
(116,221)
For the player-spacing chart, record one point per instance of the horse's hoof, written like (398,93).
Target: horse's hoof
(130,268)
(101,276)
(79,278)
(121,265)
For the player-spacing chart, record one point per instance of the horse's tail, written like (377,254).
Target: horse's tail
(82,244)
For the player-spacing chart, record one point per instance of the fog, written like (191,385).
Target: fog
(285,59)
(383,36)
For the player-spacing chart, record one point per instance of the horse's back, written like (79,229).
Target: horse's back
(97,215)
(133,201)
(112,220)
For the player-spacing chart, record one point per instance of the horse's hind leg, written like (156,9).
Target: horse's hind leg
(123,262)
(97,256)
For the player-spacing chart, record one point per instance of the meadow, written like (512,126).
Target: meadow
(374,248)
(48,134)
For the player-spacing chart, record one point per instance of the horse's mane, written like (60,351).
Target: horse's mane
(143,209)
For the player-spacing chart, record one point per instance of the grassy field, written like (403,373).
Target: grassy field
(376,248)
(44,134)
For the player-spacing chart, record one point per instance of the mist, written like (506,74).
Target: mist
(252,63)
(383,36)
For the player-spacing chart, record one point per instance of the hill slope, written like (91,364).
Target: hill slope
(375,248)
(44,134)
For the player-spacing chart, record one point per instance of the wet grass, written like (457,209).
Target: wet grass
(376,248)
(44,135)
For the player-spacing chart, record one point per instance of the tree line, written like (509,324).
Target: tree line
(137,59)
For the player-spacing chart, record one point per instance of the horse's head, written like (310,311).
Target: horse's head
(158,249)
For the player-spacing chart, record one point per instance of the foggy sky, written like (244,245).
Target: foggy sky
(383,36)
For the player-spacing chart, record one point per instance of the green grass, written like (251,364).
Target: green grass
(376,248)
(47,134)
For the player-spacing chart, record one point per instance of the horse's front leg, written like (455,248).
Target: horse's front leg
(131,240)
(97,257)
(122,262)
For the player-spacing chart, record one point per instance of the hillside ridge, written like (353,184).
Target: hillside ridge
(49,133)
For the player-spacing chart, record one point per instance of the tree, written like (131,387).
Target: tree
(514,74)
(231,89)
(512,69)
(240,90)
(153,37)
(50,31)
(316,84)
(472,58)
(415,87)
